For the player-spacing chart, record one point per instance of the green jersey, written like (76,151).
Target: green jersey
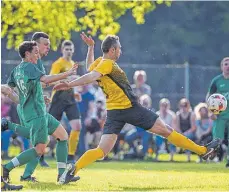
(26,77)
(221,85)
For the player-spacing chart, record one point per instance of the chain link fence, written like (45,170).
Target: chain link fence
(172,81)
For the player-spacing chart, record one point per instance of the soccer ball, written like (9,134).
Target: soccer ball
(217,103)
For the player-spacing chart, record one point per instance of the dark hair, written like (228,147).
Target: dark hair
(26,46)
(37,35)
(66,43)
(108,42)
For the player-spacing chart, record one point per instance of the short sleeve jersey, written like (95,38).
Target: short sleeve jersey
(26,77)
(114,83)
(221,85)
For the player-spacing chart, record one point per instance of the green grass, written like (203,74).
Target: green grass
(135,176)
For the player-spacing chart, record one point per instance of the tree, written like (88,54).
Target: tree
(59,19)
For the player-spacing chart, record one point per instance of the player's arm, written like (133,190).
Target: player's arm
(90,52)
(9,92)
(53,78)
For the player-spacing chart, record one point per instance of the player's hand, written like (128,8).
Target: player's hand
(63,85)
(6,90)
(88,40)
(47,99)
(73,70)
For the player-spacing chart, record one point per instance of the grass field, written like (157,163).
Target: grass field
(135,176)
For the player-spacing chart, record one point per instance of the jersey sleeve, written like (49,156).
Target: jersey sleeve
(56,68)
(212,88)
(95,64)
(33,73)
(104,67)
(10,80)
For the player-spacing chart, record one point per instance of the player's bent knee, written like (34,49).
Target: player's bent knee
(60,133)
(40,149)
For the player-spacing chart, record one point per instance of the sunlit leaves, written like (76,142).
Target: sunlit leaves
(60,18)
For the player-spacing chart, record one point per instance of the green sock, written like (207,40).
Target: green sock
(30,167)
(61,155)
(22,159)
(21,130)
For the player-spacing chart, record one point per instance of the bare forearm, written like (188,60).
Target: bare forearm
(90,56)
(83,80)
(53,78)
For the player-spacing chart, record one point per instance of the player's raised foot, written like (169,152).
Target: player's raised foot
(212,148)
(68,174)
(29,179)
(4,124)
(6,174)
(8,187)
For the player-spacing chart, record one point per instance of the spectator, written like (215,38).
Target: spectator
(169,117)
(186,121)
(203,125)
(140,87)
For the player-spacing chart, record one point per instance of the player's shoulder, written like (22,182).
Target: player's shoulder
(107,61)
(218,77)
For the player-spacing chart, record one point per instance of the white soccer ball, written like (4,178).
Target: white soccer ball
(217,103)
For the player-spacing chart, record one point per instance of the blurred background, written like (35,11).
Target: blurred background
(179,45)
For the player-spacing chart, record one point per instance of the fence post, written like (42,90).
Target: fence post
(186,79)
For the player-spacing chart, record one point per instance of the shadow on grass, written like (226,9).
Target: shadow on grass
(45,186)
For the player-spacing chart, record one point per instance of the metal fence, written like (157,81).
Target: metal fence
(172,81)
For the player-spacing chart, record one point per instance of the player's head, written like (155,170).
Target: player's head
(140,77)
(225,65)
(145,101)
(67,48)
(43,42)
(112,47)
(28,51)
(184,105)
(164,105)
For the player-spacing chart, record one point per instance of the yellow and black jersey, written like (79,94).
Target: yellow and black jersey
(114,84)
(59,66)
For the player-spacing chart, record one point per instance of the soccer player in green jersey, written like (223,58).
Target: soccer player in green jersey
(220,84)
(27,77)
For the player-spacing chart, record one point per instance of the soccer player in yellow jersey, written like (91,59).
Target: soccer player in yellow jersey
(122,106)
(64,101)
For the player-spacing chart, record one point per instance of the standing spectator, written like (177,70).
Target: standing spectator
(186,121)
(140,87)
(203,125)
(169,117)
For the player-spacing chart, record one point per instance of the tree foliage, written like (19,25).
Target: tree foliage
(60,18)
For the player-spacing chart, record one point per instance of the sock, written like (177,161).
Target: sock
(30,167)
(22,159)
(73,142)
(21,130)
(89,157)
(181,141)
(61,155)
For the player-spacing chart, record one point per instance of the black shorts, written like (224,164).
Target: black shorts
(137,115)
(64,101)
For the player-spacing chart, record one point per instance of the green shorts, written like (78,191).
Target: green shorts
(219,128)
(41,127)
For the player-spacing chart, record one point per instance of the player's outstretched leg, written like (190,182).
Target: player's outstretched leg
(180,140)
(19,160)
